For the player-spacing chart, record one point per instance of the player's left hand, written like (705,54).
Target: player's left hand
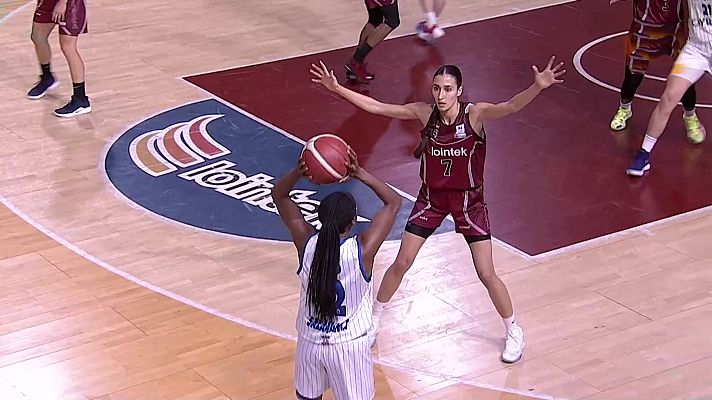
(549,75)
(59,10)
(302,167)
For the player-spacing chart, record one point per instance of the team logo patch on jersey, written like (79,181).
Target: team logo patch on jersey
(460,131)
(211,167)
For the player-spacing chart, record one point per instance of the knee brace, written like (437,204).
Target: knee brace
(391,16)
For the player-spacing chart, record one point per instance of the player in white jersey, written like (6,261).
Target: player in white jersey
(336,298)
(694,60)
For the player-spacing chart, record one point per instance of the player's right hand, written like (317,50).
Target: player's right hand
(613,1)
(324,76)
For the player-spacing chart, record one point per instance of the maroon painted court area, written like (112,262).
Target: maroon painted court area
(555,173)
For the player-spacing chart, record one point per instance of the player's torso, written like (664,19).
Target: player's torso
(454,158)
(354,298)
(700,22)
(658,13)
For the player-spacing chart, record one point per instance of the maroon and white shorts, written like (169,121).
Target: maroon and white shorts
(467,208)
(75,17)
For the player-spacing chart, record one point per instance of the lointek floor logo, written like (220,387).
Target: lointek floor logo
(209,166)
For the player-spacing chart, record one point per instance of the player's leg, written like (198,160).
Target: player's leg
(695,130)
(412,240)
(425,218)
(75,24)
(40,35)
(472,221)
(481,249)
(390,17)
(429,28)
(310,377)
(688,68)
(636,64)
(350,369)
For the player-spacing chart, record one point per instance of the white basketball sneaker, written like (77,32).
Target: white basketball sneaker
(514,346)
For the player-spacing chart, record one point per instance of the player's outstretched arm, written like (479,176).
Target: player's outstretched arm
(326,78)
(288,210)
(542,80)
(383,221)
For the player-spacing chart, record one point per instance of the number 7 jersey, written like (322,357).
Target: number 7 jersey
(454,158)
(354,297)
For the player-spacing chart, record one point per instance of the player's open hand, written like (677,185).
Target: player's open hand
(549,75)
(59,10)
(324,76)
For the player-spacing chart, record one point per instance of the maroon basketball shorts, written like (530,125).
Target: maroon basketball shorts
(648,43)
(371,4)
(75,18)
(467,207)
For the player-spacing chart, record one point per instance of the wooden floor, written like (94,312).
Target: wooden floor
(628,319)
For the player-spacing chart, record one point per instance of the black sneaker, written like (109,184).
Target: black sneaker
(42,87)
(76,106)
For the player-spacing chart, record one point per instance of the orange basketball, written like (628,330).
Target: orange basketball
(327,158)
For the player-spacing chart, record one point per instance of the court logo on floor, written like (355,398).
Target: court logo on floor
(211,167)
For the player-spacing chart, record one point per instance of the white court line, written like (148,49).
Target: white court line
(578,56)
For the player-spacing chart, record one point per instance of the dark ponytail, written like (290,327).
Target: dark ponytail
(336,213)
(430,130)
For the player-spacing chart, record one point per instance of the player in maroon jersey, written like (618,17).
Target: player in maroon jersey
(658,29)
(383,18)
(452,154)
(71,16)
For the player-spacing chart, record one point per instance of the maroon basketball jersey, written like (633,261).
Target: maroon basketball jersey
(656,13)
(454,157)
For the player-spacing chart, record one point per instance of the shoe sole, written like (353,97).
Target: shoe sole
(52,86)
(514,361)
(80,111)
(633,172)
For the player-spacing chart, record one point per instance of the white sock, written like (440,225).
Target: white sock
(649,143)
(626,105)
(690,113)
(432,18)
(509,323)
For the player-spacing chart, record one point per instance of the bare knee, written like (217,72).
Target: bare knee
(38,37)
(488,278)
(401,265)
(668,101)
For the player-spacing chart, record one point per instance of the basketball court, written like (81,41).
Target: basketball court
(137,267)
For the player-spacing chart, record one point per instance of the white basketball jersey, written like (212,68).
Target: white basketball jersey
(354,297)
(700,24)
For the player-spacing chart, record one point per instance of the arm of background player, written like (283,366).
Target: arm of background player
(542,80)
(382,223)
(290,213)
(327,78)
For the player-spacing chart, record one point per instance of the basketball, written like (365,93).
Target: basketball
(327,158)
